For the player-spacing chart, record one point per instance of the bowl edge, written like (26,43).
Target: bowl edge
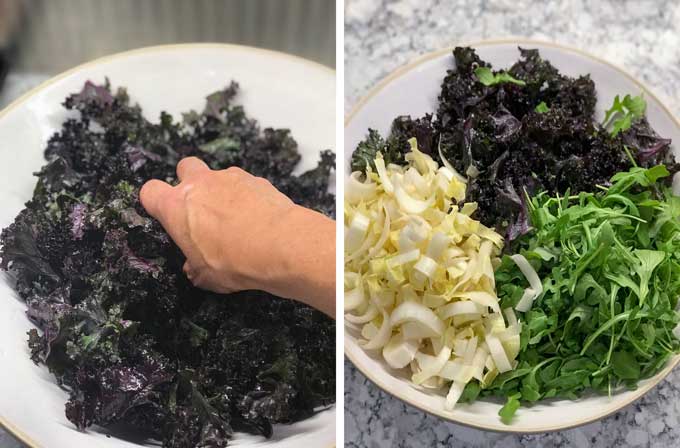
(402,70)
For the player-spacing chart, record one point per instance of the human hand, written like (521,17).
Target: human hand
(238,232)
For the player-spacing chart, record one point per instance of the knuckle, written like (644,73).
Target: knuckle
(188,190)
(152,194)
(190,159)
(149,185)
(235,171)
(182,163)
(213,262)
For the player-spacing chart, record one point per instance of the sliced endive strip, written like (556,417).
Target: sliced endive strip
(415,312)
(382,337)
(354,298)
(356,232)
(357,191)
(535,285)
(399,352)
(431,366)
(384,234)
(382,174)
(370,313)
(497,352)
(481,297)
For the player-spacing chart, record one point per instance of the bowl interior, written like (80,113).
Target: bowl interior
(277,90)
(413,91)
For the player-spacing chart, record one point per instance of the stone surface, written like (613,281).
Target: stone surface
(641,36)
(7,441)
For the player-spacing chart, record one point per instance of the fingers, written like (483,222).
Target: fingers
(191,166)
(154,191)
(187,271)
(152,195)
(198,278)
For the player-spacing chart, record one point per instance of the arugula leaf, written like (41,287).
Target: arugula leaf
(471,392)
(628,110)
(625,366)
(486,77)
(642,177)
(636,105)
(542,108)
(649,260)
(508,410)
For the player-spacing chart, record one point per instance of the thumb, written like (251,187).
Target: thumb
(153,195)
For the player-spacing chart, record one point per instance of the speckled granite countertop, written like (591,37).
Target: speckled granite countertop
(643,37)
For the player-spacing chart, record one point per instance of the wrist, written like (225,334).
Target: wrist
(271,262)
(303,258)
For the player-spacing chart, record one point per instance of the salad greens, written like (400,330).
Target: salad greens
(542,108)
(610,264)
(624,112)
(488,78)
(121,327)
(529,128)
(592,252)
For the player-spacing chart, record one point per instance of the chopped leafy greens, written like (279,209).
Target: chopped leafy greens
(507,141)
(611,285)
(121,327)
(542,108)
(486,77)
(508,410)
(592,264)
(624,113)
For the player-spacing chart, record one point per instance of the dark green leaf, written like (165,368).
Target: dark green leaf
(542,108)
(625,366)
(486,77)
(508,410)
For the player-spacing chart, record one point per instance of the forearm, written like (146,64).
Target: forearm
(305,257)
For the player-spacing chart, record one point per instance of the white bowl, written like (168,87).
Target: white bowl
(413,90)
(276,89)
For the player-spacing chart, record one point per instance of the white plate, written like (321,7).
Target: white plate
(413,90)
(276,89)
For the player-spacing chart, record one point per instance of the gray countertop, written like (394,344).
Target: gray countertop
(641,36)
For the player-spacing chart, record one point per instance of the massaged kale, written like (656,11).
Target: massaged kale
(121,328)
(528,129)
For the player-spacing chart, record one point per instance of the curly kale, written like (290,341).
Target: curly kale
(529,129)
(393,150)
(121,328)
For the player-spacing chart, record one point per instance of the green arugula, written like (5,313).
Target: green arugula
(509,409)
(486,77)
(542,108)
(610,265)
(627,110)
